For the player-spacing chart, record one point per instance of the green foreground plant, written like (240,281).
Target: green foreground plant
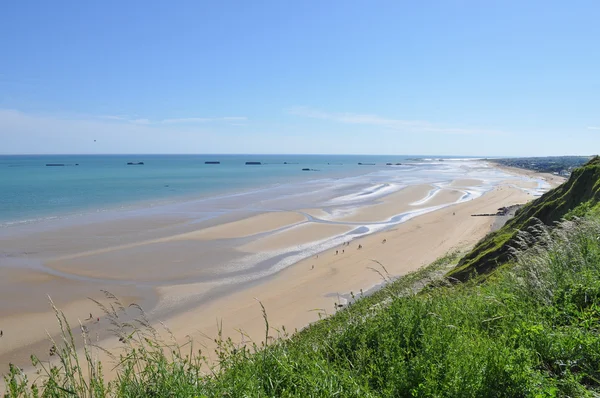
(528,330)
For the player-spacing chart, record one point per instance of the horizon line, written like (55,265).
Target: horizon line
(284,154)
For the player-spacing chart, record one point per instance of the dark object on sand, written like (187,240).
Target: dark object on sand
(211,162)
(253,163)
(135,163)
(366,164)
(55,164)
(501,212)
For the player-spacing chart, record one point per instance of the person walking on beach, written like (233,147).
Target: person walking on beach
(336,252)
(1,333)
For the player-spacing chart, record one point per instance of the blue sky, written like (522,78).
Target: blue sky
(479,78)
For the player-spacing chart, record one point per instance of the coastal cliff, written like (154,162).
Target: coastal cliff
(579,194)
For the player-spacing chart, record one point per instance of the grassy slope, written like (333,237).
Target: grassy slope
(580,193)
(531,330)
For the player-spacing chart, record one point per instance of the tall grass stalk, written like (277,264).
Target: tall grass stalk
(530,330)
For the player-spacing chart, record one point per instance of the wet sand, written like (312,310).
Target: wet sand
(294,297)
(189,276)
(552,179)
(401,202)
(298,235)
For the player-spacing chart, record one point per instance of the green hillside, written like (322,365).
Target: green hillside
(532,331)
(575,197)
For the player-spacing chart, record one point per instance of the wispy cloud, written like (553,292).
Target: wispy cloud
(186,120)
(202,119)
(140,121)
(113,117)
(23,132)
(593,128)
(182,120)
(375,120)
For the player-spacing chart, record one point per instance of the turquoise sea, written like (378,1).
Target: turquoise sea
(30,190)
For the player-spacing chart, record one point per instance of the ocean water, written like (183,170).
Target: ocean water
(30,191)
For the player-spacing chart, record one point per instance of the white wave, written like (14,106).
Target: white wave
(27,221)
(370,193)
(430,195)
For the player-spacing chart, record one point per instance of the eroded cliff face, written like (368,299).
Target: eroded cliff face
(577,196)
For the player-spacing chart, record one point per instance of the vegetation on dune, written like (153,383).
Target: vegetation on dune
(532,330)
(575,197)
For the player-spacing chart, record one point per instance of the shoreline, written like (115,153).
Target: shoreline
(312,291)
(288,293)
(329,171)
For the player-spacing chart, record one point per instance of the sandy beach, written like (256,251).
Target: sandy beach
(295,262)
(294,297)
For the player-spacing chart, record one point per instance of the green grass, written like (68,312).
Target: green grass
(577,196)
(529,330)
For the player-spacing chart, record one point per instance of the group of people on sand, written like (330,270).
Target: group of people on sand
(343,250)
(338,251)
